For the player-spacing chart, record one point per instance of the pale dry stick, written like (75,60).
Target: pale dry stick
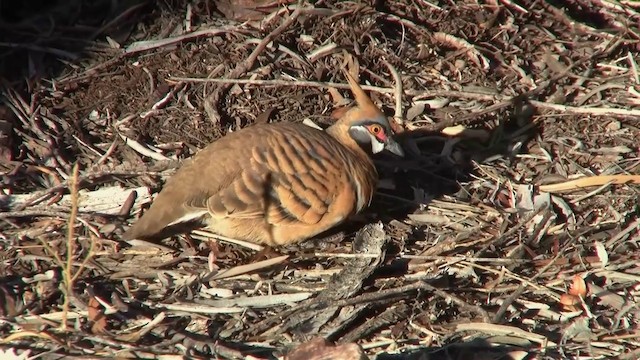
(120,170)
(505,330)
(384,343)
(243,269)
(68,277)
(71,246)
(146,45)
(65,265)
(88,146)
(587,110)
(146,328)
(31,213)
(246,244)
(398,116)
(188,17)
(589,181)
(634,67)
(50,318)
(427,3)
(322,51)
(138,147)
(162,103)
(304,83)
(511,4)
(594,192)
(35,334)
(152,82)
(318,84)
(379,295)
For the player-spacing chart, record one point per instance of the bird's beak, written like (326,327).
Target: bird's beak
(392,146)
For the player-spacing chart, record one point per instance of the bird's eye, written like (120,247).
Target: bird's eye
(375,129)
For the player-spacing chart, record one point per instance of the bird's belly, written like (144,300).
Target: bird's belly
(260,232)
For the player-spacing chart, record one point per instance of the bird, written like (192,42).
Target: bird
(276,183)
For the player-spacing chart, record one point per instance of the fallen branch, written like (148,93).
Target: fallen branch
(587,110)
(591,181)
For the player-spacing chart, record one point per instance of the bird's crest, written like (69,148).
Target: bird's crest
(366,107)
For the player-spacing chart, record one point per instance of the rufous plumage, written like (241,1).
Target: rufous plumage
(278,183)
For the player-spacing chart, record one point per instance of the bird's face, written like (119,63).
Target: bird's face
(366,124)
(375,134)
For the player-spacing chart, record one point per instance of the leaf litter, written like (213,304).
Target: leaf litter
(510,229)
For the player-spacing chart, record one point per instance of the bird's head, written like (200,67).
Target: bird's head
(366,125)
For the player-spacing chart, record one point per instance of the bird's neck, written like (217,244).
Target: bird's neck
(367,178)
(360,168)
(340,132)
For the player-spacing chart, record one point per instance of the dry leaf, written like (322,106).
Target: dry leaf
(565,209)
(578,287)
(524,197)
(10,354)
(601,251)
(96,316)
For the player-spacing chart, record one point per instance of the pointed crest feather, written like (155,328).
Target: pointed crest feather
(362,99)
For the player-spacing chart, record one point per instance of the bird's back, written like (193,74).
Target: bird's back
(269,183)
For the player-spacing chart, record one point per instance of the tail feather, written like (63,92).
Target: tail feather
(162,215)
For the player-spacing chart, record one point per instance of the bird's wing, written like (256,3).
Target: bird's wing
(296,177)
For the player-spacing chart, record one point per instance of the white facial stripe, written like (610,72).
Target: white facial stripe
(362,135)
(361,130)
(376,145)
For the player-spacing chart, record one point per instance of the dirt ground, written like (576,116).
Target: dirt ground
(510,230)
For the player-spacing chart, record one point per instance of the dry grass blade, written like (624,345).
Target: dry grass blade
(578,184)
(504,330)
(244,269)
